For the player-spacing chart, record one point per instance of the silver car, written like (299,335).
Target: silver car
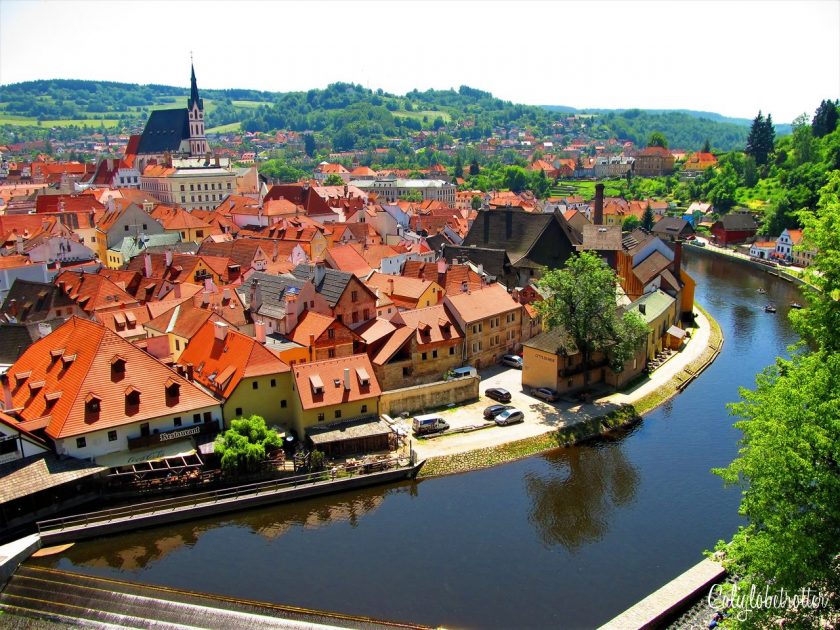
(512,360)
(510,416)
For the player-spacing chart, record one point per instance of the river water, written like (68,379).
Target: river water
(568,539)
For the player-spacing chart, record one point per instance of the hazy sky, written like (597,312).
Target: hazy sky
(728,57)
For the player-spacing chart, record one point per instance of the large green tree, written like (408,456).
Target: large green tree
(789,462)
(825,119)
(581,299)
(760,140)
(244,445)
(658,139)
(647,219)
(333,179)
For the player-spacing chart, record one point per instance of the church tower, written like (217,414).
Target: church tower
(195,107)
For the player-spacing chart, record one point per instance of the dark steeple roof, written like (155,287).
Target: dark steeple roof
(164,131)
(194,98)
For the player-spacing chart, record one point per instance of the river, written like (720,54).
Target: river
(568,539)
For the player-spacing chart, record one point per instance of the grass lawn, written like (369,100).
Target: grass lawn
(225,128)
(25,121)
(585,189)
(249,104)
(430,114)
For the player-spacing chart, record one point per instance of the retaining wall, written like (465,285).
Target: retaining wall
(429,396)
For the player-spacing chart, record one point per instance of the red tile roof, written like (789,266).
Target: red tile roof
(76,360)
(327,373)
(487,302)
(93,292)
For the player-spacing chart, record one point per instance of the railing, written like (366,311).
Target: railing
(221,495)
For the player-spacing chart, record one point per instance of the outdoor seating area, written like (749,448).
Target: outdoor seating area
(661,357)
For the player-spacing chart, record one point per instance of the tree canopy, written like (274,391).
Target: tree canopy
(825,119)
(761,138)
(244,445)
(789,463)
(582,300)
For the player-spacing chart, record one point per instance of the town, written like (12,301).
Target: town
(153,299)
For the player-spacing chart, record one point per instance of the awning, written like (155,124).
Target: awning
(178,448)
(676,332)
(348,431)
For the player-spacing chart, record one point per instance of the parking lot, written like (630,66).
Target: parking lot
(540,416)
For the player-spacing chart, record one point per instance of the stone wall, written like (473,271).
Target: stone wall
(421,398)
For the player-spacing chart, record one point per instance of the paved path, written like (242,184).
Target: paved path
(541,417)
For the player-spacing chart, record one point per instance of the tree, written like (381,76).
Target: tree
(630,223)
(647,219)
(707,147)
(415,196)
(787,465)
(803,139)
(474,169)
(333,179)
(761,138)
(825,119)
(475,204)
(582,300)
(458,171)
(516,179)
(309,144)
(658,139)
(244,445)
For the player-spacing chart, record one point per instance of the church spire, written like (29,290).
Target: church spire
(194,98)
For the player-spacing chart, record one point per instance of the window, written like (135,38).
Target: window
(183,199)
(434,354)
(207,416)
(228,185)
(331,333)
(406,371)
(177,345)
(206,187)
(145,226)
(367,313)
(255,385)
(238,412)
(112,436)
(191,187)
(282,404)
(126,228)
(274,382)
(423,356)
(176,421)
(182,188)
(452,350)
(320,417)
(354,296)
(81,442)
(338,413)
(144,429)
(364,408)
(331,353)
(196,418)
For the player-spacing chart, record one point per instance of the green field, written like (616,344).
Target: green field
(248,104)
(225,128)
(429,114)
(586,189)
(24,121)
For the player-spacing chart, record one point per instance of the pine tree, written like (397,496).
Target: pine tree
(761,138)
(825,119)
(474,170)
(459,167)
(707,147)
(647,219)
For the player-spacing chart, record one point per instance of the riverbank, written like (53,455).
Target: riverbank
(610,413)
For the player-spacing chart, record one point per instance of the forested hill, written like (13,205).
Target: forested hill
(350,115)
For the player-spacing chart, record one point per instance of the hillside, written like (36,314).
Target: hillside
(346,115)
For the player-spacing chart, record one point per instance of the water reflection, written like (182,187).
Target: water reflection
(573,501)
(146,547)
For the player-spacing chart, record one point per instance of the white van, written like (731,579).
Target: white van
(429,423)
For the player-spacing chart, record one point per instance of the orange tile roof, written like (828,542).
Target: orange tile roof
(328,372)
(93,292)
(374,330)
(401,289)
(453,279)
(75,360)
(393,344)
(310,323)
(487,302)
(346,258)
(129,322)
(172,218)
(213,358)
(432,324)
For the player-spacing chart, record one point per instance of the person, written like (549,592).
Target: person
(334,472)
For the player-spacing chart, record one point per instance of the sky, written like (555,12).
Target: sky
(730,57)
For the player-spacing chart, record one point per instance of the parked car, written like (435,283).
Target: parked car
(546,393)
(465,371)
(494,410)
(512,360)
(497,394)
(510,416)
(429,423)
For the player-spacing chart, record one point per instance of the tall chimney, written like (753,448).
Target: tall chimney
(7,392)
(599,204)
(19,244)
(259,331)
(226,295)
(256,295)
(147,264)
(347,378)
(677,259)
(44,329)
(291,312)
(190,371)
(168,257)
(390,286)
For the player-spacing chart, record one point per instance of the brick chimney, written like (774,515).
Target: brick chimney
(677,262)
(147,264)
(599,205)
(347,378)
(168,257)
(259,330)
(256,296)
(221,330)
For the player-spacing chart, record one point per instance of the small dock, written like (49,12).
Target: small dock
(153,513)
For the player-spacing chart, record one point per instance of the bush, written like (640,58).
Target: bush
(243,447)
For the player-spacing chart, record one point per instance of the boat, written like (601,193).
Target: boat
(769,309)
(795,305)
(762,291)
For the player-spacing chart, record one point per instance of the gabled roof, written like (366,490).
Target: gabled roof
(556,341)
(635,241)
(395,342)
(331,287)
(164,131)
(476,305)
(738,221)
(672,226)
(404,291)
(182,320)
(432,324)
(76,360)
(651,267)
(127,322)
(220,364)
(300,195)
(172,218)
(601,238)
(30,301)
(452,280)
(494,261)
(311,324)
(273,291)
(327,373)
(655,303)
(14,339)
(241,251)
(93,291)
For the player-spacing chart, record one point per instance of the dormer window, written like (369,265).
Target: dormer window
(92,403)
(68,359)
(364,377)
(132,396)
(173,388)
(118,365)
(317,384)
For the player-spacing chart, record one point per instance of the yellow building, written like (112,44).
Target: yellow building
(244,374)
(660,311)
(188,183)
(335,390)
